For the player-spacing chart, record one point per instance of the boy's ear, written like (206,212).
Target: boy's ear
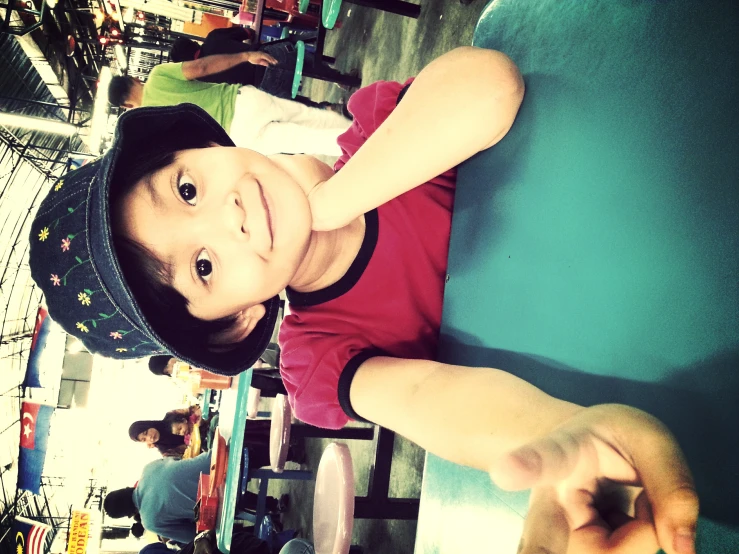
(244,324)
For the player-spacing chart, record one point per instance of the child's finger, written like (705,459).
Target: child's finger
(541,462)
(546,528)
(668,484)
(633,537)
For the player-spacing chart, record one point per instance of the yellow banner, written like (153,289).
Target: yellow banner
(79,531)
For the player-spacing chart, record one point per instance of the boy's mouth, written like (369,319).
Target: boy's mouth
(268,215)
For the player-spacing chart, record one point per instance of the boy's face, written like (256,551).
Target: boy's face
(231,225)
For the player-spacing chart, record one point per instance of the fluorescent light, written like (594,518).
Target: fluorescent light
(100,110)
(120,56)
(53,126)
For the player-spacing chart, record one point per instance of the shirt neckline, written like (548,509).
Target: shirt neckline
(352,275)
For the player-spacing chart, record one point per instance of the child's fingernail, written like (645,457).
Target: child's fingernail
(685,541)
(529,459)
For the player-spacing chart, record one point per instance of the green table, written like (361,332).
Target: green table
(594,250)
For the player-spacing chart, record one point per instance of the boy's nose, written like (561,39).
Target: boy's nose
(234,215)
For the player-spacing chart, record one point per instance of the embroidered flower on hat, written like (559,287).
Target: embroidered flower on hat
(55,279)
(84,298)
(59,185)
(44,234)
(121,349)
(65,244)
(82,327)
(116,335)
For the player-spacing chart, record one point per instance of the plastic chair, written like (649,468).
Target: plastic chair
(283,428)
(297,77)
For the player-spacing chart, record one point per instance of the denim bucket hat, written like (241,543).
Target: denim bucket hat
(73,259)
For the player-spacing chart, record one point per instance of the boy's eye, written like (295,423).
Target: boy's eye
(187,190)
(203,267)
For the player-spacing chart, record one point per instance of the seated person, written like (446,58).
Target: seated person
(170,436)
(158,434)
(267,380)
(253,119)
(165,496)
(275,79)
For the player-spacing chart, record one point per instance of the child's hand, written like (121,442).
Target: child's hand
(259,58)
(599,451)
(324,216)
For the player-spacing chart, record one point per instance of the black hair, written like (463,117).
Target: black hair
(183,50)
(167,440)
(137,530)
(157,364)
(149,278)
(120,89)
(119,503)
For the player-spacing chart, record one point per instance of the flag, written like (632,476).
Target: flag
(30,536)
(35,420)
(40,333)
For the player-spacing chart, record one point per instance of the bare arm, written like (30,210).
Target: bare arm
(462,103)
(210,65)
(492,411)
(524,438)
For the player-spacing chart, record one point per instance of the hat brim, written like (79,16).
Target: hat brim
(149,127)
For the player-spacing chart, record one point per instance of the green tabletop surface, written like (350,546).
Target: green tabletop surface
(227,505)
(594,250)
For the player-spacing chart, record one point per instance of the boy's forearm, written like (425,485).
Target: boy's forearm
(460,104)
(470,416)
(210,65)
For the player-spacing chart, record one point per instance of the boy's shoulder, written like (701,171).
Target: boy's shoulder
(370,106)
(171,70)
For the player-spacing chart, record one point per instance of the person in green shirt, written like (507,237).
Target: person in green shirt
(253,118)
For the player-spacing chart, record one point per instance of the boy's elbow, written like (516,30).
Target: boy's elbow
(492,70)
(192,70)
(503,71)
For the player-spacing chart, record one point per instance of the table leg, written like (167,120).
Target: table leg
(319,69)
(377,505)
(390,508)
(393,6)
(301,430)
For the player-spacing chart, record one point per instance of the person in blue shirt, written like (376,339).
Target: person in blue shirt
(165,497)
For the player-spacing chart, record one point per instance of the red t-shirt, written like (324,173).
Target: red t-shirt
(388,303)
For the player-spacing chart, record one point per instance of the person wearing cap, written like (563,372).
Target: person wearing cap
(164,497)
(192,243)
(253,118)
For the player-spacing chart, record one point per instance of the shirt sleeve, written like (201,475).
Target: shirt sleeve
(313,367)
(193,467)
(370,106)
(168,71)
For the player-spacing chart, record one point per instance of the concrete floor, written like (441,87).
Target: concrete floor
(380,46)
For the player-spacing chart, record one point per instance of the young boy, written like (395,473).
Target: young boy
(204,237)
